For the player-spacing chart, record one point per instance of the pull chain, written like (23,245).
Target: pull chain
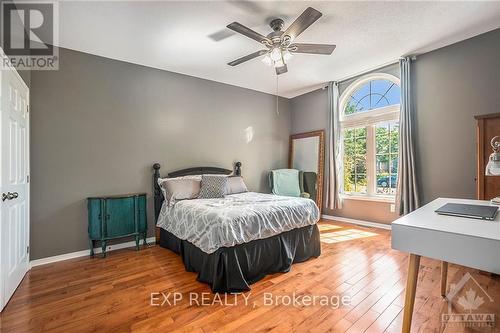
(277,97)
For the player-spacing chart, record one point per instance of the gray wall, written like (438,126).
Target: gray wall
(26,76)
(309,112)
(452,85)
(97,126)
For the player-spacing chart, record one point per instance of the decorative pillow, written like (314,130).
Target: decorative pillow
(213,186)
(235,184)
(175,189)
(197,177)
(285,182)
(162,180)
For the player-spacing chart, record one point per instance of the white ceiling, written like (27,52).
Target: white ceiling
(190,37)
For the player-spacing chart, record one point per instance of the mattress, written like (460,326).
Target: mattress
(210,224)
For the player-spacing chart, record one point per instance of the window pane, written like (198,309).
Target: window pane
(373,95)
(360,146)
(386,163)
(360,132)
(355,160)
(350,108)
(382,131)
(386,184)
(382,184)
(382,164)
(360,98)
(360,166)
(394,95)
(361,183)
(349,158)
(394,163)
(394,138)
(349,134)
(379,92)
(349,183)
(393,183)
(349,150)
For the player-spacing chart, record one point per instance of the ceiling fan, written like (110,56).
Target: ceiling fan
(280,45)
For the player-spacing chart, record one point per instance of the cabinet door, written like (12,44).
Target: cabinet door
(95,218)
(120,217)
(142,219)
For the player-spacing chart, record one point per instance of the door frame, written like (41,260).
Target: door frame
(28,167)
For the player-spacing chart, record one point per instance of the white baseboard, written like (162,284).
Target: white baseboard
(97,250)
(358,222)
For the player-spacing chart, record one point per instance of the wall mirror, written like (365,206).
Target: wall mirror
(306,154)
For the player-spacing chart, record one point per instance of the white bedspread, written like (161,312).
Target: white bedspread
(239,218)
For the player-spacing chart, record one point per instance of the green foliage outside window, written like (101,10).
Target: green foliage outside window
(386,163)
(386,150)
(355,160)
(350,108)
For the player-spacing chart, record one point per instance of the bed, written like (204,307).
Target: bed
(237,240)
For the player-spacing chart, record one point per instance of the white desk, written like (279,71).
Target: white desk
(463,241)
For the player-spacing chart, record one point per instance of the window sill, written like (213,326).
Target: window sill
(387,199)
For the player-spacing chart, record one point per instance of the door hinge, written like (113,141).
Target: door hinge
(28,249)
(27,178)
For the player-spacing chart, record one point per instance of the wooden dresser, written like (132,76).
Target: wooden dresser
(488,126)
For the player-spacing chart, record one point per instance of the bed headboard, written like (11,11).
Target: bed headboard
(158,196)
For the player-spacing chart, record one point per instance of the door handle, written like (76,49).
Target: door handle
(9,196)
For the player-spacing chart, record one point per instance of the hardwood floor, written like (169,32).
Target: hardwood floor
(114,294)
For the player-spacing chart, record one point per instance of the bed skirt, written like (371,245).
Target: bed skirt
(233,269)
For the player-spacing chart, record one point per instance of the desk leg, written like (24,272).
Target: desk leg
(411,287)
(444,277)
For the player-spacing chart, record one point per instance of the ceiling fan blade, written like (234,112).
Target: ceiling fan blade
(281,70)
(308,17)
(220,35)
(240,28)
(312,48)
(247,57)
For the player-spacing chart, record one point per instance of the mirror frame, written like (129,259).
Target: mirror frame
(321,161)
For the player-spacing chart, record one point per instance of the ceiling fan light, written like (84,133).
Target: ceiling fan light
(287,55)
(279,63)
(267,60)
(276,54)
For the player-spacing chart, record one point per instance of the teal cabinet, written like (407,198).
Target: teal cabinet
(116,216)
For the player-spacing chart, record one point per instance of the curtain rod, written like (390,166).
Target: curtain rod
(352,76)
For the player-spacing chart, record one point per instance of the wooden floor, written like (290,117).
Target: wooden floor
(114,294)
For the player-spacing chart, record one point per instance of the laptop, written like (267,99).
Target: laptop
(470,211)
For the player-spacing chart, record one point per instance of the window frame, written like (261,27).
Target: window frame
(368,119)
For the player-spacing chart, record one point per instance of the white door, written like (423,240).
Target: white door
(14,182)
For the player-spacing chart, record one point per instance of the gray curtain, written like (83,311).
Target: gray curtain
(333,179)
(407,194)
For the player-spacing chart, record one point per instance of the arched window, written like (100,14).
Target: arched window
(372,95)
(370,132)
